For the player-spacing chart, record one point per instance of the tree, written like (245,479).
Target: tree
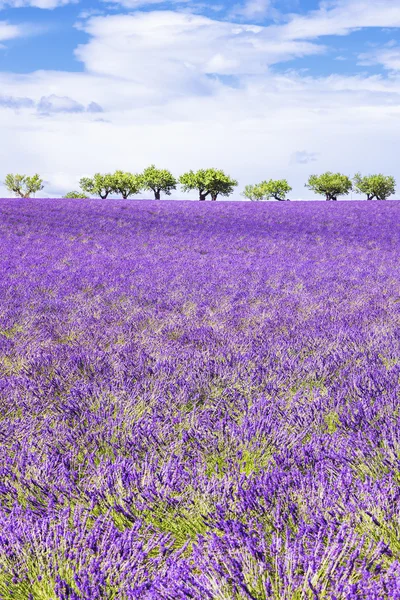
(253,192)
(76,195)
(220,184)
(331,185)
(277,189)
(126,184)
(158,180)
(195,181)
(211,182)
(375,186)
(23,185)
(101,185)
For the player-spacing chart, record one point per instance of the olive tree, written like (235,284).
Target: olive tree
(253,192)
(331,185)
(158,180)
(127,184)
(212,182)
(23,185)
(100,185)
(275,188)
(375,186)
(75,194)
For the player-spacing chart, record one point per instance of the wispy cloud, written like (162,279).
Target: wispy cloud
(16,103)
(388,57)
(44,4)
(302,157)
(254,10)
(63,104)
(9,32)
(341,17)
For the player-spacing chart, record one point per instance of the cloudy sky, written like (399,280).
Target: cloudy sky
(260,88)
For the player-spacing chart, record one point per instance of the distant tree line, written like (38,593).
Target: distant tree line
(209,183)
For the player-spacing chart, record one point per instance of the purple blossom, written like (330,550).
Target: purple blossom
(199,400)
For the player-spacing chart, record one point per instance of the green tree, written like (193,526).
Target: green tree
(275,188)
(331,185)
(127,184)
(211,182)
(101,185)
(23,185)
(375,186)
(158,180)
(253,192)
(76,195)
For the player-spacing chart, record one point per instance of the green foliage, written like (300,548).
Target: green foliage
(23,185)
(158,180)
(75,195)
(331,185)
(375,186)
(253,192)
(127,184)
(211,182)
(101,185)
(275,188)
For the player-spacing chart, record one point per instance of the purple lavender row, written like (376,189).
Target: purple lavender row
(199,400)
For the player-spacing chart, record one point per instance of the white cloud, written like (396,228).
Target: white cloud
(9,32)
(58,104)
(134,4)
(16,103)
(343,16)
(252,9)
(302,157)
(45,4)
(156,47)
(388,57)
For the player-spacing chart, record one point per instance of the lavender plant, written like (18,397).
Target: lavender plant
(199,400)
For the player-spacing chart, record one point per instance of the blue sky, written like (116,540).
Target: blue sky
(262,89)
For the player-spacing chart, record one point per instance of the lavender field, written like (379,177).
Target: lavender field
(199,400)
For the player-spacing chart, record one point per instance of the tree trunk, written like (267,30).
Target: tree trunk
(214,197)
(202,196)
(157,194)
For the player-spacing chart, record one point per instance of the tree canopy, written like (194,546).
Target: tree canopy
(253,192)
(158,180)
(213,182)
(126,184)
(209,183)
(375,186)
(23,185)
(275,188)
(101,185)
(75,194)
(331,185)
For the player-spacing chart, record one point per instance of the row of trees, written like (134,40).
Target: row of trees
(330,185)
(208,183)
